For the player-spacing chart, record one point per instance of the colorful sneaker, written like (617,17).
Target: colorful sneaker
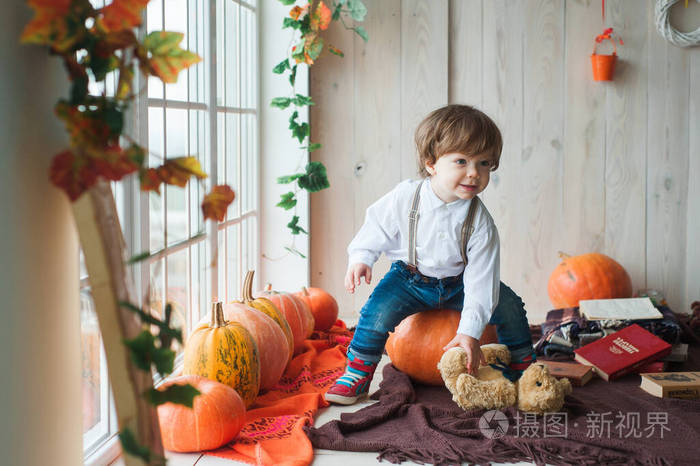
(354,383)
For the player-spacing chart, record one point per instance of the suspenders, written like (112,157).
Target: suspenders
(467,228)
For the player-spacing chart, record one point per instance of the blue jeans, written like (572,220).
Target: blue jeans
(402,293)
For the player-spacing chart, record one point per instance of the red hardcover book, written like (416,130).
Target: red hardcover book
(622,352)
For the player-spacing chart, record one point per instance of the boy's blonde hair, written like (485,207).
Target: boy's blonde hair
(457,128)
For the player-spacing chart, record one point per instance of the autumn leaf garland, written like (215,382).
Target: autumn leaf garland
(92,43)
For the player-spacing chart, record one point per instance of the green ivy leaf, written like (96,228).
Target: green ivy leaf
(113,118)
(301,131)
(281,67)
(293,75)
(336,12)
(163,359)
(287,2)
(294,251)
(140,349)
(280,102)
(315,178)
(291,23)
(179,394)
(288,201)
(293,225)
(312,147)
(362,33)
(79,90)
(358,10)
(134,448)
(315,48)
(288,178)
(303,100)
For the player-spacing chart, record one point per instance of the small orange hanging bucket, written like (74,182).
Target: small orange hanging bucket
(604,65)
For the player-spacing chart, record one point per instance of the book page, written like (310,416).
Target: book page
(622,309)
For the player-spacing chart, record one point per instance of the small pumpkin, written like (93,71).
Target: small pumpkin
(215,418)
(323,306)
(587,276)
(272,344)
(266,306)
(297,313)
(225,352)
(415,345)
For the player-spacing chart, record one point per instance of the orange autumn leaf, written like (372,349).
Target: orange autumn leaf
(150,181)
(296,12)
(216,203)
(72,174)
(175,172)
(178,171)
(321,17)
(50,25)
(166,59)
(122,14)
(114,163)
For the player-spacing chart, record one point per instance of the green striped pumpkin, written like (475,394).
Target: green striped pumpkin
(225,352)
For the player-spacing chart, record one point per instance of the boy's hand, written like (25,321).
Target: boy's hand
(355,274)
(471,346)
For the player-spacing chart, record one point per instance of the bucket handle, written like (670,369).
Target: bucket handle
(595,46)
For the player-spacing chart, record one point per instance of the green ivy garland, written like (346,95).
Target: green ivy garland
(309,20)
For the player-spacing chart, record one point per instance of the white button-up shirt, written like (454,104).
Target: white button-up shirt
(437,246)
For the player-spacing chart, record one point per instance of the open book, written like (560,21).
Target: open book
(621,308)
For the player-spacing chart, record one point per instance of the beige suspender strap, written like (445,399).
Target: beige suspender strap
(412,227)
(468,228)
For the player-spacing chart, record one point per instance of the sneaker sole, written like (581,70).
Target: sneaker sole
(343,400)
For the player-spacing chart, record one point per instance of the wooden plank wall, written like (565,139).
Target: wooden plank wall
(586,166)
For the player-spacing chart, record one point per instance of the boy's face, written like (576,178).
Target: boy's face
(457,176)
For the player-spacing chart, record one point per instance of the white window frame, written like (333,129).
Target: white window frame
(134,205)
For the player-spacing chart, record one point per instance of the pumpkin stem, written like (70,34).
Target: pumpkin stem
(305,291)
(217,315)
(268,287)
(563,255)
(248,286)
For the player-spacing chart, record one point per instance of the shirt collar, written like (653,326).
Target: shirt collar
(429,200)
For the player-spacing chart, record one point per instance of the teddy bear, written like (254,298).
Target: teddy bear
(536,391)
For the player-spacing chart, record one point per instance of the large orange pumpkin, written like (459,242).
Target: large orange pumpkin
(323,306)
(266,306)
(215,418)
(272,344)
(415,345)
(225,352)
(297,313)
(588,276)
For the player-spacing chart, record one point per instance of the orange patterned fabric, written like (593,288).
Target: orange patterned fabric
(273,433)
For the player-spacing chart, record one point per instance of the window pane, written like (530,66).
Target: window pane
(178,290)
(157,284)
(154,22)
(248,58)
(232,52)
(95,388)
(176,21)
(222,144)
(233,257)
(249,244)
(249,130)
(220,50)
(233,144)
(221,268)
(199,138)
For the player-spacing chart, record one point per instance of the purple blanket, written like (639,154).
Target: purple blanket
(601,423)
